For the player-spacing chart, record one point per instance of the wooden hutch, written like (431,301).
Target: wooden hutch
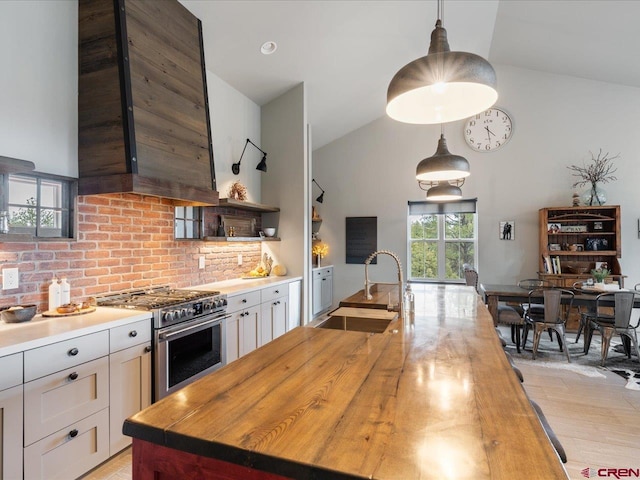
(576,239)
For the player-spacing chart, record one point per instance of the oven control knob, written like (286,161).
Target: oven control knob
(218,303)
(224,302)
(183,312)
(167,316)
(176,314)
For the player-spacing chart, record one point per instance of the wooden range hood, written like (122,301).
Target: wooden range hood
(143,112)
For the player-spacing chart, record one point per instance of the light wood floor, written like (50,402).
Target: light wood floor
(596,419)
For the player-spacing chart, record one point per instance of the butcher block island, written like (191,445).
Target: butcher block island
(430,400)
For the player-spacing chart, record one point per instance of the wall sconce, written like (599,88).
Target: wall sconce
(320,198)
(262,166)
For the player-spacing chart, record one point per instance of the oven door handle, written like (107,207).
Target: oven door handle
(197,326)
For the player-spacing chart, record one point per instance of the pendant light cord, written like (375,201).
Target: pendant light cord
(441,11)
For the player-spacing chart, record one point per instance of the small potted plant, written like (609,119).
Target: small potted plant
(599,274)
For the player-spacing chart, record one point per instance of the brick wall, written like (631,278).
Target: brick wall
(123,241)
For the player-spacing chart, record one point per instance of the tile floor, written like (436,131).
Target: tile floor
(596,419)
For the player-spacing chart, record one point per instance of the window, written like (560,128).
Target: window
(187,222)
(442,238)
(39,205)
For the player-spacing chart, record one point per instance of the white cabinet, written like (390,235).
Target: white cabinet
(295,304)
(129,378)
(274,313)
(322,289)
(11,416)
(242,327)
(248,330)
(66,407)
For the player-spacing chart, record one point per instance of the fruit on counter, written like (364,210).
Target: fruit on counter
(67,308)
(279,270)
(258,272)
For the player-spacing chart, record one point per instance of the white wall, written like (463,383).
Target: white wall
(285,184)
(558,120)
(234,118)
(39,84)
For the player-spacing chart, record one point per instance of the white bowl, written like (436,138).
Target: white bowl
(269,232)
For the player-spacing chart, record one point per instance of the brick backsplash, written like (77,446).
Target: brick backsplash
(123,241)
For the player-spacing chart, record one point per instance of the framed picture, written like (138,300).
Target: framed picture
(574,229)
(507,230)
(554,247)
(594,244)
(553,227)
(261,234)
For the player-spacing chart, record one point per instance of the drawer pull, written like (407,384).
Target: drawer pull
(73,433)
(147,349)
(73,376)
(242,314)
(73,352)
(244,300)
(133,333)
(277,291)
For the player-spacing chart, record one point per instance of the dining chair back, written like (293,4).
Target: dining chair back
(470,276)
(550,318)
(618,323)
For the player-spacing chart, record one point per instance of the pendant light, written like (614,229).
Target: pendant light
(443,86)
(444,192)
(443,165)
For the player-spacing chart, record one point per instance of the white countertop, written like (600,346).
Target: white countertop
(239,286)
(17,337)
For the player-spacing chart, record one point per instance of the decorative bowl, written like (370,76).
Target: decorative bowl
(576,267)
(18,313)
(269,232)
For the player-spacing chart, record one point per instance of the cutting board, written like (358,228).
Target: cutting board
(82,311)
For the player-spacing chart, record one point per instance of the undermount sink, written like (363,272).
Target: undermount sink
(356,324)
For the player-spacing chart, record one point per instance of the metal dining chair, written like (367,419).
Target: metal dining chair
(470,276)
(618,323)
(551,318)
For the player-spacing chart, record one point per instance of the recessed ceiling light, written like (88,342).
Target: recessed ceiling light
(268,48)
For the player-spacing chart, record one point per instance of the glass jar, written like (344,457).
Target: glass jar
(4,222)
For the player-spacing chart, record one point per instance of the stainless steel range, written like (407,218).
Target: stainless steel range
(188,332)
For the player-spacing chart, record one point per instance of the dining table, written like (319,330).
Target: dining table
(583,297)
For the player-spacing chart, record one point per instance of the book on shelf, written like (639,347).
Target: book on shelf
(547,264)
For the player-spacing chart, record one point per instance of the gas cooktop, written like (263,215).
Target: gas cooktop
(149,299)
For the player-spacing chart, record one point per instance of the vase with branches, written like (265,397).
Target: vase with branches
(600,170)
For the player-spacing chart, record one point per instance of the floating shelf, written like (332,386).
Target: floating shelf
(241,239)
(252,207)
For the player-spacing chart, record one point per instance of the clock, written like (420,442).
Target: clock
(489,130)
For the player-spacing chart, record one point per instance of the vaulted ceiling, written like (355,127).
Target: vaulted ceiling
(347,51)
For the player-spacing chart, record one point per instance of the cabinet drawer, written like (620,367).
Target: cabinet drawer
(271,293)
(10,370)
(129,335)
(62,398)
(58,356)
(316,274)
(71,451)
(238,302)
(325,272)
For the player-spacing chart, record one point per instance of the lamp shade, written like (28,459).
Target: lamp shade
(442,86)
(443,165)
(444,192)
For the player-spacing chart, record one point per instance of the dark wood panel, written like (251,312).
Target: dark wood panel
(162,79)
(155,163)
(148,186)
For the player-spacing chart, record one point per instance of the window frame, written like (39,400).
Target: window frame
(67,209)
(440,213)
(198,223)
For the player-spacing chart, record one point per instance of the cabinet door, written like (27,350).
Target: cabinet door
(248,330)
(231,338)
(265,333)
(71,451)
(326,291)
(11,433)
(57,400)
(316,285)
(130,390)
(274,319)
(294,305)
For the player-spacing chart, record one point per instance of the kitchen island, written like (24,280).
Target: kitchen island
(436,399)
